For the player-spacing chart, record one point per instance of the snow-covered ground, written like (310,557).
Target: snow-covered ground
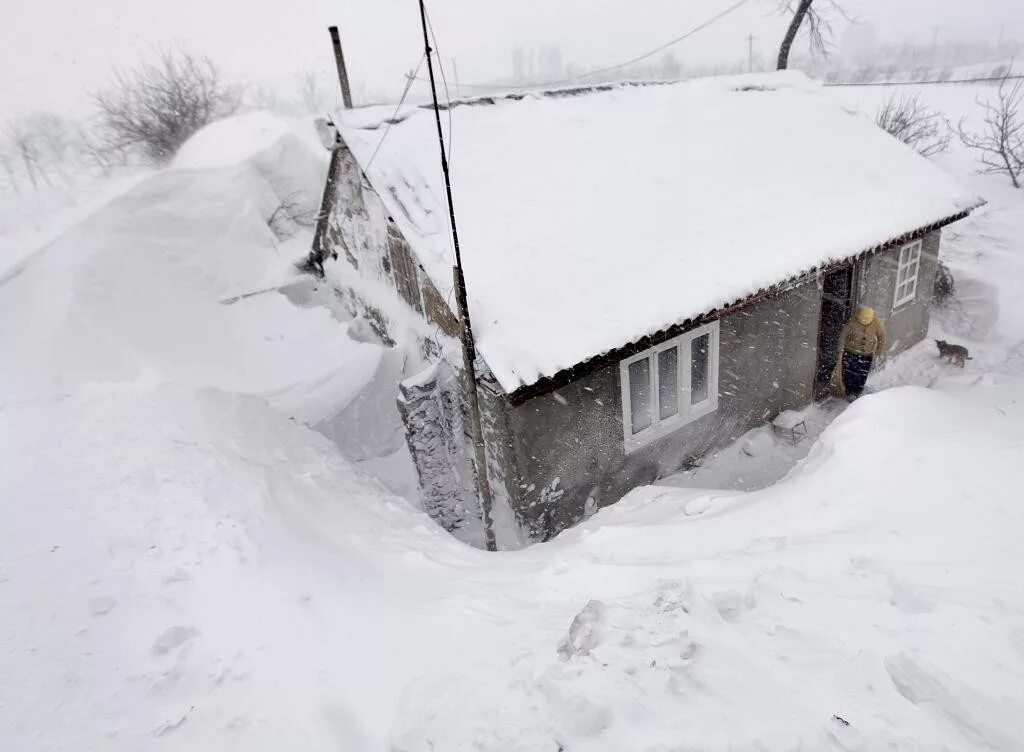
(186,564)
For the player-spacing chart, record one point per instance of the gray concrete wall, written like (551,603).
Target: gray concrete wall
(907,325)
(568,445)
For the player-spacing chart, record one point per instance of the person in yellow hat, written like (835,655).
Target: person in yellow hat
(861,343)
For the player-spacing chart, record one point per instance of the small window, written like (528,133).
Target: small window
(907,269)
(668,383)
(669,386)
(699,348)
(640,395)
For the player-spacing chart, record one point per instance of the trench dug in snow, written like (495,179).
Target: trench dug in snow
(764,455)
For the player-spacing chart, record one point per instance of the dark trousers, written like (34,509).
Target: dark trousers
(855,372)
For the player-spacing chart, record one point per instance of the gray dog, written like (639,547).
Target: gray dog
(954,354)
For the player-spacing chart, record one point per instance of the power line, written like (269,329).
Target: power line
(986,79)
(444,80)
(600,71)
(468,346)
(391,121)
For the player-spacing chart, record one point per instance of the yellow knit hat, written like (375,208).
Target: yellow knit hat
(865,315)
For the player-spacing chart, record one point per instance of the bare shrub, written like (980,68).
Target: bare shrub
(157,107)
(1000,142)
(102,153)
(59,142)
(265,98)
(294,210)
(944,287)
(25,147)
(8,165)
(914,124)
(311,94)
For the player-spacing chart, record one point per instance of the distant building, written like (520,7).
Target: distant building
(652,270)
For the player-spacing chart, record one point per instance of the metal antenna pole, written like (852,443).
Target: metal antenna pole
(468,347)
(339,59)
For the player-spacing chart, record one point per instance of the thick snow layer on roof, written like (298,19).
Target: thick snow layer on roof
(589,221)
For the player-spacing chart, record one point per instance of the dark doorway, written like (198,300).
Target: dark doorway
(836,307)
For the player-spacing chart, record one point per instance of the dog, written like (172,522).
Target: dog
(954,354)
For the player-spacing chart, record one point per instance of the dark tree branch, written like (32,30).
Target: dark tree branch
(819,27)
(794,26)
(1000,142)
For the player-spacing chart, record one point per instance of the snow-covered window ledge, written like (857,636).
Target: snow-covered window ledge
(669,385)
(908,268)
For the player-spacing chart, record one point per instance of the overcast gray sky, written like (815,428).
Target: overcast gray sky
(52,53)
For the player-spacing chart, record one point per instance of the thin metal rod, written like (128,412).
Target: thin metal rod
(468,346)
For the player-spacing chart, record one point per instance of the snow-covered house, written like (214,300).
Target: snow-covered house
(651,269)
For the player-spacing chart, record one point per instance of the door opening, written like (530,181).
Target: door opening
(836,307)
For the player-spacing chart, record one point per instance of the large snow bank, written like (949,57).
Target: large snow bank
(192,570)
(869,601)
(236,139)
(590,221)
(286,153)
(143,289)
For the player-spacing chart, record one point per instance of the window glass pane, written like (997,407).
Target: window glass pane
(640,394)
(668,382)
(699,357)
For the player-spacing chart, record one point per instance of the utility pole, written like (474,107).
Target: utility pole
(468,347)
(455,74)
(935,44)
(750,53)
(339,58)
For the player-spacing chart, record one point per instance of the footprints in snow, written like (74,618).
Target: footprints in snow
(101,605)
(172,638)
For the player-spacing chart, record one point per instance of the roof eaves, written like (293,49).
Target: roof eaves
(566,376)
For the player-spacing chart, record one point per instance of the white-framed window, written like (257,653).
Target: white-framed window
(669,385)
(907,269)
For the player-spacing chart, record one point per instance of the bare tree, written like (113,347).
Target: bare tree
(157,107)
(100,151)
(1000,142)
(58,141)
(265,98)
(7,162)
(25,145)
(311,95)
(819,28)
(914,124)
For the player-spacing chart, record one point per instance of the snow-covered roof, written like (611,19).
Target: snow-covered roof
(589,221)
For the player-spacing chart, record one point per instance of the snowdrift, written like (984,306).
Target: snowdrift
(190,569)
(183,569)
(158,285)
(869,601)
(286,153)
(183,566)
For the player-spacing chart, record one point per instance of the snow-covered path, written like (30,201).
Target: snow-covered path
(183,566)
